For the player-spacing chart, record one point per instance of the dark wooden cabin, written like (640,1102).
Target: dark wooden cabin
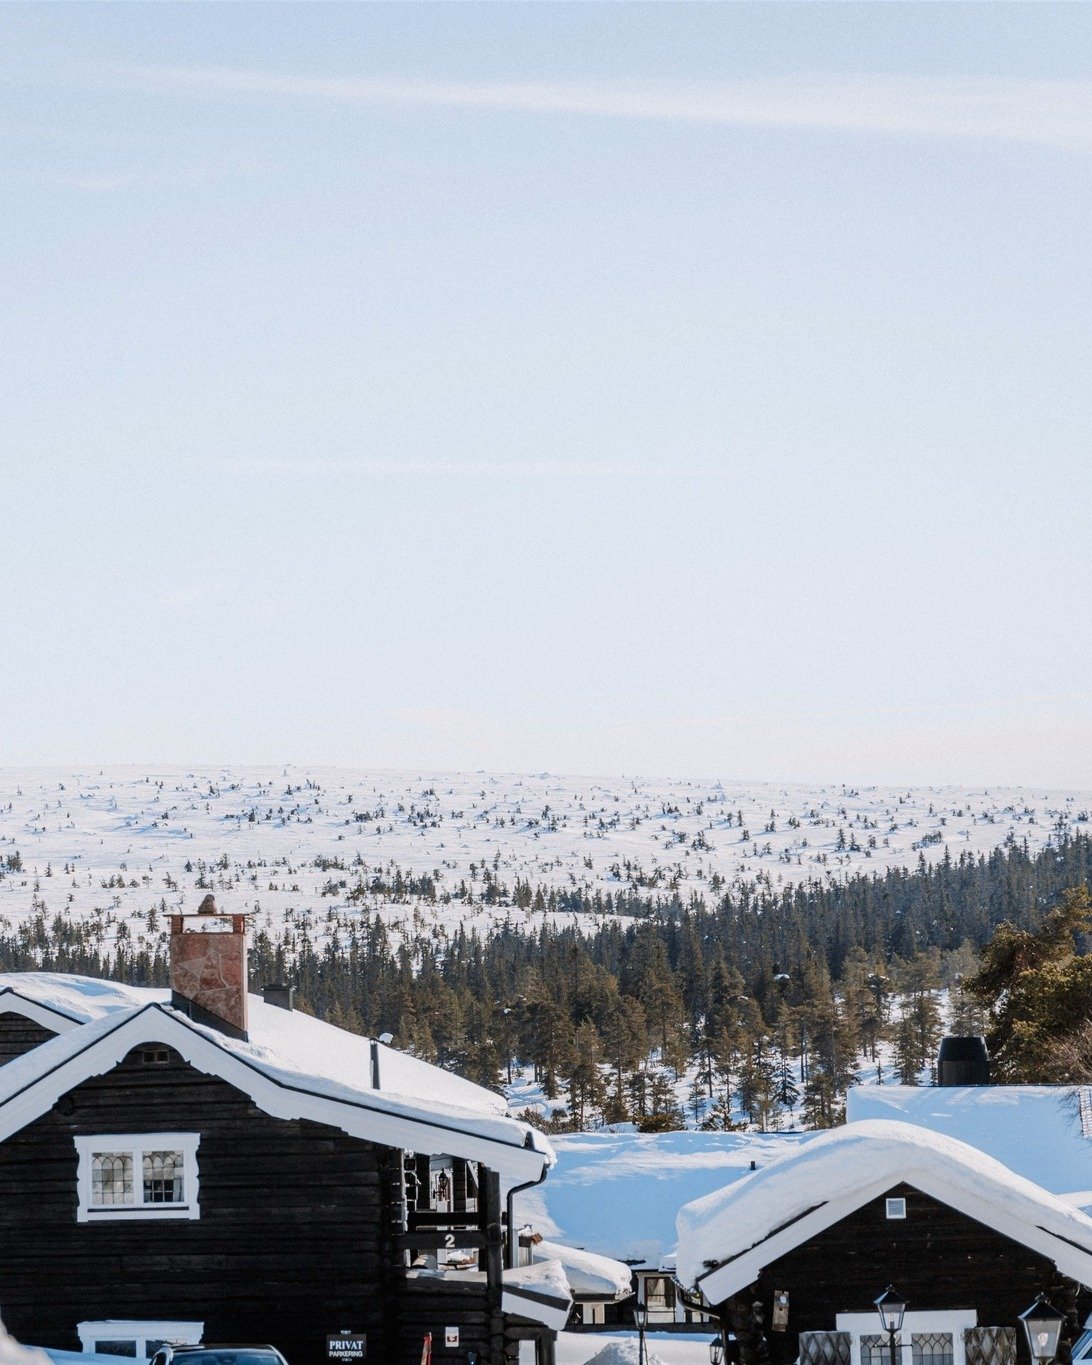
(162,1179)
(790,1260)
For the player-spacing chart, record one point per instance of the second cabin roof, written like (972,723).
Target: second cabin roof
(726,1238)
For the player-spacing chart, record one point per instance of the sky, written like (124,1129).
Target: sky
(668,389)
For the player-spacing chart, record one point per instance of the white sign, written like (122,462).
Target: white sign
(451,1336)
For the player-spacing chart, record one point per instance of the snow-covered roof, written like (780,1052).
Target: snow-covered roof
(293,1066)
(753,1222)
(539,1292)
(642,1179)
(589,1276)
(69,1000)
(1043,1132)
(627,1350)
(12,1353)
(308,1044)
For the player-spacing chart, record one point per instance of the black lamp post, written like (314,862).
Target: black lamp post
(891,1306)
(716,1351)
(640,1317)
(1043,1325)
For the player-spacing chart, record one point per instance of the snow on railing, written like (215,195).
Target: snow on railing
(1084,1096)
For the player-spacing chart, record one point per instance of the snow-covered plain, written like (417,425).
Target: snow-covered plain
(319,848)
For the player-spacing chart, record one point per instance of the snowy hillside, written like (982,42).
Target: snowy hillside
(320,847)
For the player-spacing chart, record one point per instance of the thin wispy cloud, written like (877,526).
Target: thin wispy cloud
(1053,113)
(413,467)
(128,179)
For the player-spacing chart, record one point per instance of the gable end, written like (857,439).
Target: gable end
(19,1035)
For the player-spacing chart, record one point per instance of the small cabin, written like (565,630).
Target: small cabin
(602,1288)
(791,1258)
(203,1163)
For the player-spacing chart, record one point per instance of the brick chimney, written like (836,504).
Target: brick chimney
(208,968)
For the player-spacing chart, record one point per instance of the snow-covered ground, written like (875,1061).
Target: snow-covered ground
(644,1179)
(320,847)
(1041,1133)
(620,1348)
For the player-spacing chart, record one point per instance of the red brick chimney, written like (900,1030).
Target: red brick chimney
(208,968)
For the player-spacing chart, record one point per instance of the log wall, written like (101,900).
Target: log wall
(19,1035)
(293,1240)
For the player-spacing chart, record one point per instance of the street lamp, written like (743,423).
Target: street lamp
(1043,1325)
(640,1317)
(891,1306)
(716,1351)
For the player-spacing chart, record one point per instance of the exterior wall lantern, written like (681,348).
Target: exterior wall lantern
(1043,1325)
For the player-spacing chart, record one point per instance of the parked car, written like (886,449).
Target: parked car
(218,1355)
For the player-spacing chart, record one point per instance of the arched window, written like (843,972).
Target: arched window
(111,1179)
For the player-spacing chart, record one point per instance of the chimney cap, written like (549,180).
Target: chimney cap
(280,994)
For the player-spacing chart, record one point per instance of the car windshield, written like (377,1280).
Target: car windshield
(227,1356)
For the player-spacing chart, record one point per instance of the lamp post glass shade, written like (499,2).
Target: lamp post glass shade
(1043,1325)
(716,1352)
(891,1306)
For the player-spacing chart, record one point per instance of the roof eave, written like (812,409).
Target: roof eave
(278,1097)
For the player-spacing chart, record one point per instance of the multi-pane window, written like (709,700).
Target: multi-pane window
(111,1178)
(150,1175)
(932,1348)
(659,1294)
(876,1350)
(164,1182)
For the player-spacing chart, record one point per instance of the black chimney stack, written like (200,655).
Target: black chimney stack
(280,995)
(963,1061)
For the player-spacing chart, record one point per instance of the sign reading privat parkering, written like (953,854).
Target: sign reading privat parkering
(346,1346)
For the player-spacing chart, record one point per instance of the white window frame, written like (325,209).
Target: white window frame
(139,1333)
(135,1145)
(896,1206)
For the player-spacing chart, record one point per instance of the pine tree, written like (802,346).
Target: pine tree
(586,1089)
(907,1058)
(1038,984)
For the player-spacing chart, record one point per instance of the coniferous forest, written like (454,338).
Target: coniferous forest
(759,1008)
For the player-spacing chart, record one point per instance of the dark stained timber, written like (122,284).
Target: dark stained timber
(297,1235)
(19,1035)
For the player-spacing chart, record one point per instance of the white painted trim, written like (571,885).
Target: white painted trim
(139,1332)
(942,1185)
(11,1002)
(952,1321)
(389,1121)
(136,1144)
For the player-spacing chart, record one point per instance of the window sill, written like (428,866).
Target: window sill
(122,1214)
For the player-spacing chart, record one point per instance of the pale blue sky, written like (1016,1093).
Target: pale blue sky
(661,388)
